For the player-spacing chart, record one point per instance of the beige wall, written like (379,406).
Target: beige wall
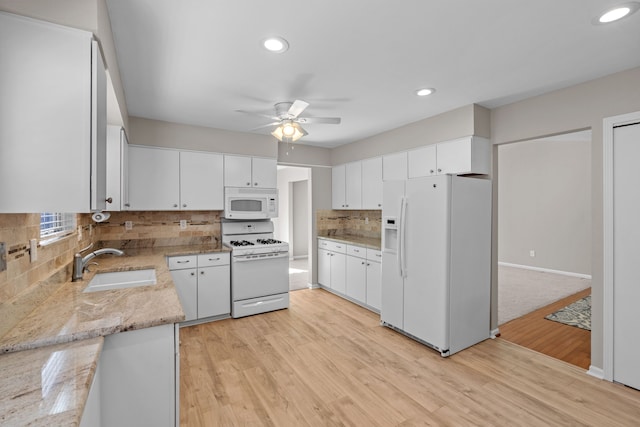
(174,135)
(90,15)
(545,203)
(320,200)
(464,121)
(578,107)
(303,155)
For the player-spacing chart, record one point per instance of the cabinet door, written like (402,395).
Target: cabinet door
(237,171)
(454,156)
(339,272)
(125,202)
(324,267)
(154,179)
(264,172)
(394,167)
(353,185)
(374,284)
(117,169)
(356,278)
(214,291)
(46,116)
(422,162)
(186,282)
(201,181)
(372,183)
(338,187)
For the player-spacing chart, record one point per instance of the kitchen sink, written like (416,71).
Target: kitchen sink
(121,280)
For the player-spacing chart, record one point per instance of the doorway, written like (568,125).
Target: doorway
(544,243)
(293,224)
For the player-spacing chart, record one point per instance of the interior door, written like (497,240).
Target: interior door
(427,247)
(626,268)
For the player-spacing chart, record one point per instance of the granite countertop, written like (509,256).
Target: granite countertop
(69,327)
(367,242)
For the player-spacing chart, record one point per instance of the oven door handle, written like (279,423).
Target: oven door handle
(260,257)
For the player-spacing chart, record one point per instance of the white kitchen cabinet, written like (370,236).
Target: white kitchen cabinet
(339,272)
(372,183)
(394,166)
(464,156)
(374,279)
(356,276)
(422,162)
(203,284)
(92,414)
(138,374)
(154,178)
(53,109)
(201,181)
(324,267)
(346,186)
(338,187)
(332,264)
(245,171)
(117,169)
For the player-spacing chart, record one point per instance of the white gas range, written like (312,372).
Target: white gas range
(259,267)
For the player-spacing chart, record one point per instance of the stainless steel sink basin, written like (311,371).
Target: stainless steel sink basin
(121,280)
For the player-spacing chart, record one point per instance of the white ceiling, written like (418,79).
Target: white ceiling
(197,61)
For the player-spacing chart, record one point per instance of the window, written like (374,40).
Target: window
(54,225)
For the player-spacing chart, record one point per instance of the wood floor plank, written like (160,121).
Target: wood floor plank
(328,362)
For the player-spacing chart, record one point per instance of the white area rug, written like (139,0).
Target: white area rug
(522,291)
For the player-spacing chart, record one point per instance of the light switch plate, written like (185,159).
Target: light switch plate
(128,225)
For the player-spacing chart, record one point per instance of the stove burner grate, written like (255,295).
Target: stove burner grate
(240,243)
(268,241)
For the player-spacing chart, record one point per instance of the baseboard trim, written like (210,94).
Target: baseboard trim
(596,372)
(314,286)
(299,257)
(495,333)
(546,270)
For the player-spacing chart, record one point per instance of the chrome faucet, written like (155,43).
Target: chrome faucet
(80,263)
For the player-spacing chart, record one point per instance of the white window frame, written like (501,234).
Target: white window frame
(56,225)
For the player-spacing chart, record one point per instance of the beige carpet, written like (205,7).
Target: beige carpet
(298,274)
(522,291)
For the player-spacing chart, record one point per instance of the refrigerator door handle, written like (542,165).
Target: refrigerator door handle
(402,238)
(399,250)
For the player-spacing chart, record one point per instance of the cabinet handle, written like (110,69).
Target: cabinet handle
(183,262)
(127,204)
(356,250)
(362,262)
(201,272)
(175,205)
(184,205)
(379,205)
(214,259)
(439,170)
(109,200)
(193,274)
(368,264)
(431,171)
(249,184)
(255,184)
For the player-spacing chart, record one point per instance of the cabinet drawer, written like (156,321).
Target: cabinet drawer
(180,262)
(336,247)
(374,255)
(213,259)
(323,244)
(357,251)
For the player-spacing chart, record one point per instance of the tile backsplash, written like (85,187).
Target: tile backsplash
(356,223)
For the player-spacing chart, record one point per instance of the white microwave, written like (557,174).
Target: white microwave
(250,203)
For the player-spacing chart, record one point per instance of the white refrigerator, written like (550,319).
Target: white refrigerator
(436,260)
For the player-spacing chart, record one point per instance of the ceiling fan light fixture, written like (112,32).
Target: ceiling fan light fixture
(616,13)
(288,131)
(425,91)
(275,44)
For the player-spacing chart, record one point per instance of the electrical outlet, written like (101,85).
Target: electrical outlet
(183,224)
(532,253)
(128,225)
(33,249)
(366,220)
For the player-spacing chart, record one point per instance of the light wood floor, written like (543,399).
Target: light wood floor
(325,361)
(564,342)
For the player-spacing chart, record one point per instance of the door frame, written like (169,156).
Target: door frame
(608,125)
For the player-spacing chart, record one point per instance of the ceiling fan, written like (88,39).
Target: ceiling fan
(288,120)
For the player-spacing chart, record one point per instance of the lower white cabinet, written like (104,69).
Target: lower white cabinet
(91,416)
(203,283)
(351,270)
(139,379)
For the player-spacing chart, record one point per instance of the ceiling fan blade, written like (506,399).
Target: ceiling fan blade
(320,120)
(272,117)
(266,126)
(297,108)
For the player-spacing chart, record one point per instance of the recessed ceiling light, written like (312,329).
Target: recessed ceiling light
(616,13)
(275,44)
(425,91)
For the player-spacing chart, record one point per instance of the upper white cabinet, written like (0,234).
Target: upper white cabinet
(117,169)
(201,181)
(422,162)
(394,166)
(166,179)
(372,183)
(53,110)
(154,178)
(244,171)
(465,155)
(357,185)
